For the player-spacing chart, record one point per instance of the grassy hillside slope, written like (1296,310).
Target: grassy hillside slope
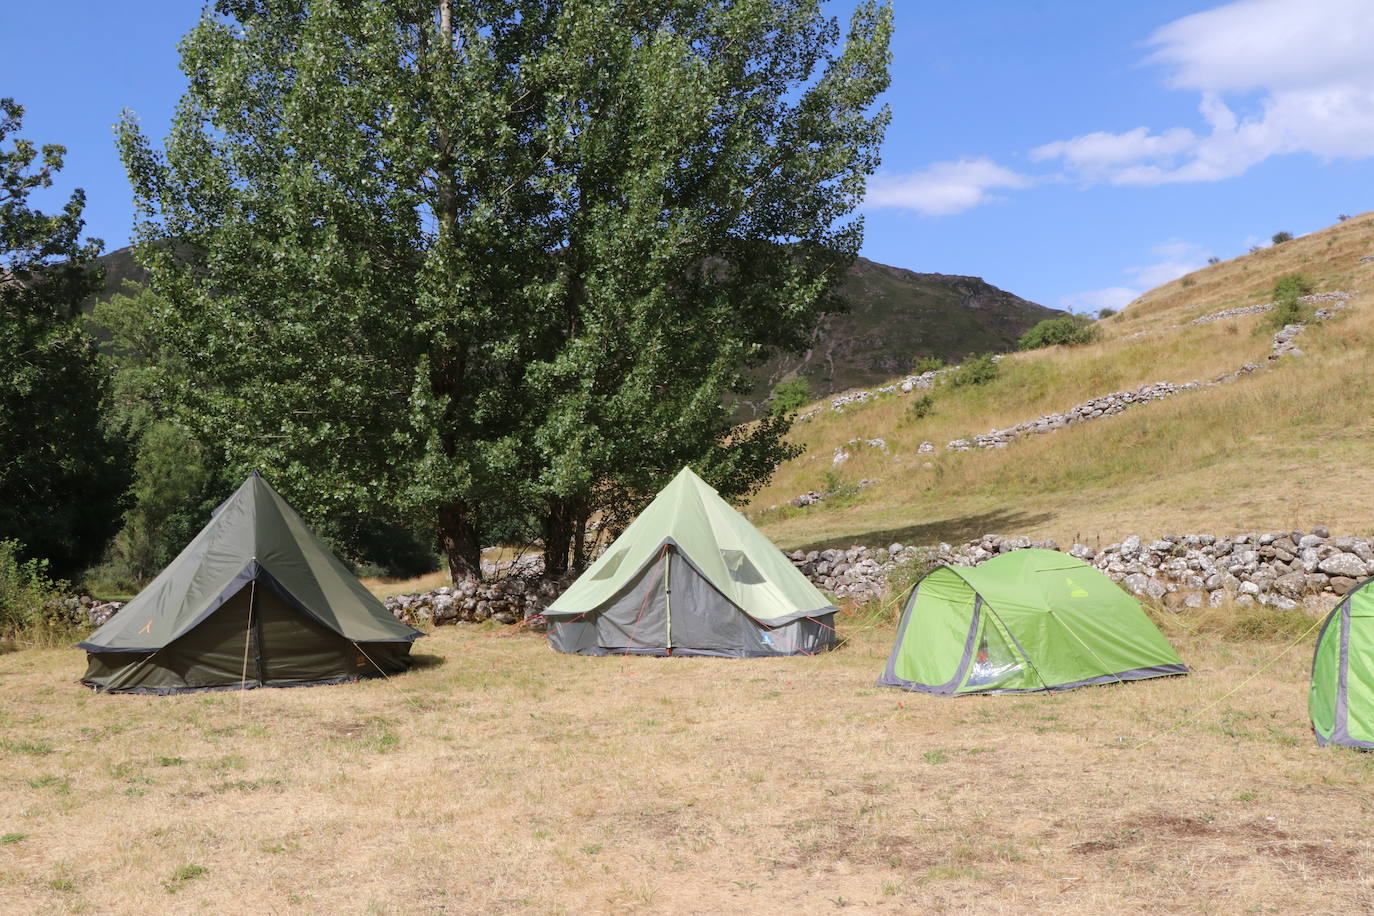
(1289,446)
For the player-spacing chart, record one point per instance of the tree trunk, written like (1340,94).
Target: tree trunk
(580,540)
(557,538)
(458,537)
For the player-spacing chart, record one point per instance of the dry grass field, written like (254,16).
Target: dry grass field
(1288,447)
(500,777)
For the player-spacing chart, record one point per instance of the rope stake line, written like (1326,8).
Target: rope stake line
(1233,691)
(247,637)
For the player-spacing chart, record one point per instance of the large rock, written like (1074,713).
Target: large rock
(1342,585)
(1293,584)
(1344,564)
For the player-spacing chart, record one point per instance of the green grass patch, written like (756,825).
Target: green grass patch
(183,875)
(32,748)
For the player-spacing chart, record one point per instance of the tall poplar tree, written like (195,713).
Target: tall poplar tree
(503,258)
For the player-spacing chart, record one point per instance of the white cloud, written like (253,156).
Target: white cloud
(1176,258)
(943,188)
(1173,259)
(1309,61)
(1095,300)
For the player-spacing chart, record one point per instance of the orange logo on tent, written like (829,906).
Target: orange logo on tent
(147,628)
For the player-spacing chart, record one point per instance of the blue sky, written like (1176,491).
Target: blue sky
(1074,152)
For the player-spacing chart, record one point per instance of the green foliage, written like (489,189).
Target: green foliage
(1070,330)
(60,475)
(789,395)
(1288,289)
(921,407)
(976,370)
(507,262)
(1280,237)
(927,364)
(167,507)
(1106,313)
(1292,286)
(25,590)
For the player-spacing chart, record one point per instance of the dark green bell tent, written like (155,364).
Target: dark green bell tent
(255,600)
(1341,698)
(1029,620)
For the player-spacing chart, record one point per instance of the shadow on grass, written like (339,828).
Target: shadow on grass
(419,661)
(950,530)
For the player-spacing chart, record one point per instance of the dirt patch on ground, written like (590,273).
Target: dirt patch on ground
(1318,859)
(1179,825)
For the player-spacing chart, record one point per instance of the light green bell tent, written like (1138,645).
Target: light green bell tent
(1341,698)
(691,576)
(1029,620)
(255,600)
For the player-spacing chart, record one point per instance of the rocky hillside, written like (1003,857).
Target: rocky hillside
(896,316)
(1198,409)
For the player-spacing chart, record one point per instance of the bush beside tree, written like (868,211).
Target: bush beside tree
(1070,330)
(976,370)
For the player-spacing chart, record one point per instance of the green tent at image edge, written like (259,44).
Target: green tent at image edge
(1341,698)
(691,576)
(1028,620)
(255,600)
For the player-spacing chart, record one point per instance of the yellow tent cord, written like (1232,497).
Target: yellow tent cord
(1263,668)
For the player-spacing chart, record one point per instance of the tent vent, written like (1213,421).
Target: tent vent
(611,565)
(741,570)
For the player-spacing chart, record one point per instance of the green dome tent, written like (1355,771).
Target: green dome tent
(1029,620)
(1341,698)
(255,600)
(691,576)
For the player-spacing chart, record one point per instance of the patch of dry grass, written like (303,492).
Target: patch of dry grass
(501,777)
(1285,447)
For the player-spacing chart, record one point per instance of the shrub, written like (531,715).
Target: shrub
(1287,309)
(1213,260)
(1343,217)
(921,407)
(1280,237)
(976,370)
(24,591)
(790,395)
(927,364)
(1105,313)
(838,491)
(1067,331)
(1294,285)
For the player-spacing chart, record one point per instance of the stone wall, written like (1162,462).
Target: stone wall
(1280,569)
